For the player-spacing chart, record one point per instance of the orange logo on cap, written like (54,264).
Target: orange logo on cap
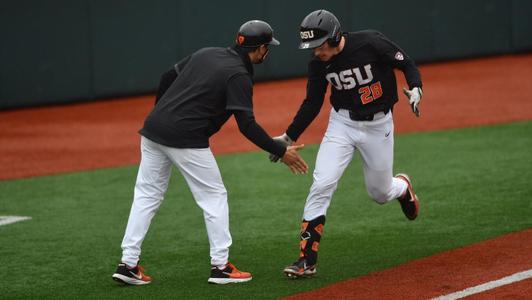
(240,39)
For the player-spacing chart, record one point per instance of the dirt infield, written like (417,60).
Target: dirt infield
(444,273)
(44,141)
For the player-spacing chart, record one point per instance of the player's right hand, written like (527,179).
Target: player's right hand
(285,141)
(292,159)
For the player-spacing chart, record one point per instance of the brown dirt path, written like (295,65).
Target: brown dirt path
(521,290)
(444,274)
(51,140)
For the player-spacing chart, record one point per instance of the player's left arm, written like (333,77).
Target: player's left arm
(392,54)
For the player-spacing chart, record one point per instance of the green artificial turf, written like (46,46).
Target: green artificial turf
(474,184)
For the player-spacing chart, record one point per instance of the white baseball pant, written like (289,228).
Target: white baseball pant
(202,175)
(374,141)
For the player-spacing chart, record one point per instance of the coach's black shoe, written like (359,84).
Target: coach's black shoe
(229,274)
(133,276)
(409,201)
(300,269)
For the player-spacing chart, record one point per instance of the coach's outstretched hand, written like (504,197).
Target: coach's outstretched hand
(292,159)
(284,140)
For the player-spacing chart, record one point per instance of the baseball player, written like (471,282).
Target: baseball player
(359,66)
(194,99)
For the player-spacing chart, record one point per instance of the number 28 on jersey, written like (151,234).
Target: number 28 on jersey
(348,79)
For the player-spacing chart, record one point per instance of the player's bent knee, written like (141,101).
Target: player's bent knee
(379,196)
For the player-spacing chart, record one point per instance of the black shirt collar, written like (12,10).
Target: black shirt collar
(245,58)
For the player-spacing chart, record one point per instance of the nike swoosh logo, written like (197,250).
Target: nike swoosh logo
(139,277)
(327,66)
(387,134)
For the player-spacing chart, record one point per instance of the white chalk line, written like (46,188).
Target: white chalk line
(487,286)
(4,220)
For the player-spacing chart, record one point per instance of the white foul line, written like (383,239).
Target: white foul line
(487,286)
(4,220)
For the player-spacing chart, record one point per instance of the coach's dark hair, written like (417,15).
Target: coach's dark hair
(245,50)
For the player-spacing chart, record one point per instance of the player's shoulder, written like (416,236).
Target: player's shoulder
(315,64)
(362,37)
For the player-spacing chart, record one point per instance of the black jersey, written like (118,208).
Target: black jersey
(361,77)
(199,95)
(196,104)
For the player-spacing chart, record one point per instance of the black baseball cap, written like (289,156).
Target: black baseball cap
(255,33)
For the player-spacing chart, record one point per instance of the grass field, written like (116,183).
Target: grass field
(474,184)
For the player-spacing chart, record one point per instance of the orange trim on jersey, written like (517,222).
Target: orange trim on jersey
(376,90)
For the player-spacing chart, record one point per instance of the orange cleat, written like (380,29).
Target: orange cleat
(229,274)
(132,276)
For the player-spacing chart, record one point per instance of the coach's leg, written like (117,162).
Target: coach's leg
(151,185)
(201,172)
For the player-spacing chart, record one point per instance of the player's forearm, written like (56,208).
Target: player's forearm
(411,72)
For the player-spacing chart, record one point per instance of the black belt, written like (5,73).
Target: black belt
(356,117)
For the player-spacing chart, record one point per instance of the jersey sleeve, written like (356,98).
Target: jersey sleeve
(311,106)
(166,81)
(254,132)
(179,66)
(168,78)
(392,54)
(239,93)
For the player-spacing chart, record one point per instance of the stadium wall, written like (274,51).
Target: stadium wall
(62,51)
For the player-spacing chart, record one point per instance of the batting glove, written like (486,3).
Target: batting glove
(284,140)
(414,97)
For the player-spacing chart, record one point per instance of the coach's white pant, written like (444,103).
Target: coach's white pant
(201,172)
(374,141)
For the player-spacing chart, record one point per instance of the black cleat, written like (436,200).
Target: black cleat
(132,276)
(409,201)
(300,269)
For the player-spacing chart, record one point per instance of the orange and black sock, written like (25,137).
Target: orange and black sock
(311,232)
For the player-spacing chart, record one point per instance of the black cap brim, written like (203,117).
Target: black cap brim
(274,42)
(313,44)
